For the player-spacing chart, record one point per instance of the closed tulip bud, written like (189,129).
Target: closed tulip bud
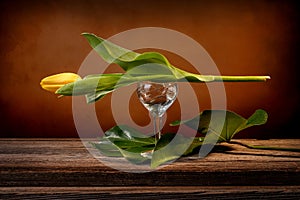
(54,82)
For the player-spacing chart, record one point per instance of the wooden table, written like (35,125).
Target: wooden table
(64,169)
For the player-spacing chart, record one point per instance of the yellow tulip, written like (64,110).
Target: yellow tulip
(54,82)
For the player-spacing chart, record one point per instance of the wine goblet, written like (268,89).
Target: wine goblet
(157,97)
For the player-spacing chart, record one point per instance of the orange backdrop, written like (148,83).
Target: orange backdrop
(39,38)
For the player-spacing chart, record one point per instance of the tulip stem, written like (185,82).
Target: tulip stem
(264,147)
(241,78)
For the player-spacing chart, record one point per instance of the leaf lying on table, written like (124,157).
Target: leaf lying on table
(138,148)
(107,148)
(124,141)
(146,66)
(168,148)
(233,123)
(127,142)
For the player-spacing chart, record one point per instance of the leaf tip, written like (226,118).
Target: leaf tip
(85,33)
(259,117)
(88,35)
(175,123)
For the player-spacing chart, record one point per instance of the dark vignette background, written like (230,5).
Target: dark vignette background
(39,38)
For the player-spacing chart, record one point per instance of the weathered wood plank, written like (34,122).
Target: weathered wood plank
(66,162)
(163,192)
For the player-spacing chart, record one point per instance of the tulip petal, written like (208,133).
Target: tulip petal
(54,82)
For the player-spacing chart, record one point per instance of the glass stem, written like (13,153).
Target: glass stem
(157,127)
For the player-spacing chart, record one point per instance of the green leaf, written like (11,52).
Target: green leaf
(216,131)
(138,148)
(197,142)
(107,148)
(97,86)
(128,60)
(132,154)
(91,84)
(169,149)
(139,67)
(124,132)
(137,156)
(130,143)
(110,52)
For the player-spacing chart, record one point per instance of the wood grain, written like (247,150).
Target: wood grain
(163,192)
(63,166)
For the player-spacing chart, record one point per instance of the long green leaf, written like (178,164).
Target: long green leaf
(128,59)
(146,66)
(107,148)
(233,123)
(169,149)
(128,133)
(138,148)
(98,85)
(130,143)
